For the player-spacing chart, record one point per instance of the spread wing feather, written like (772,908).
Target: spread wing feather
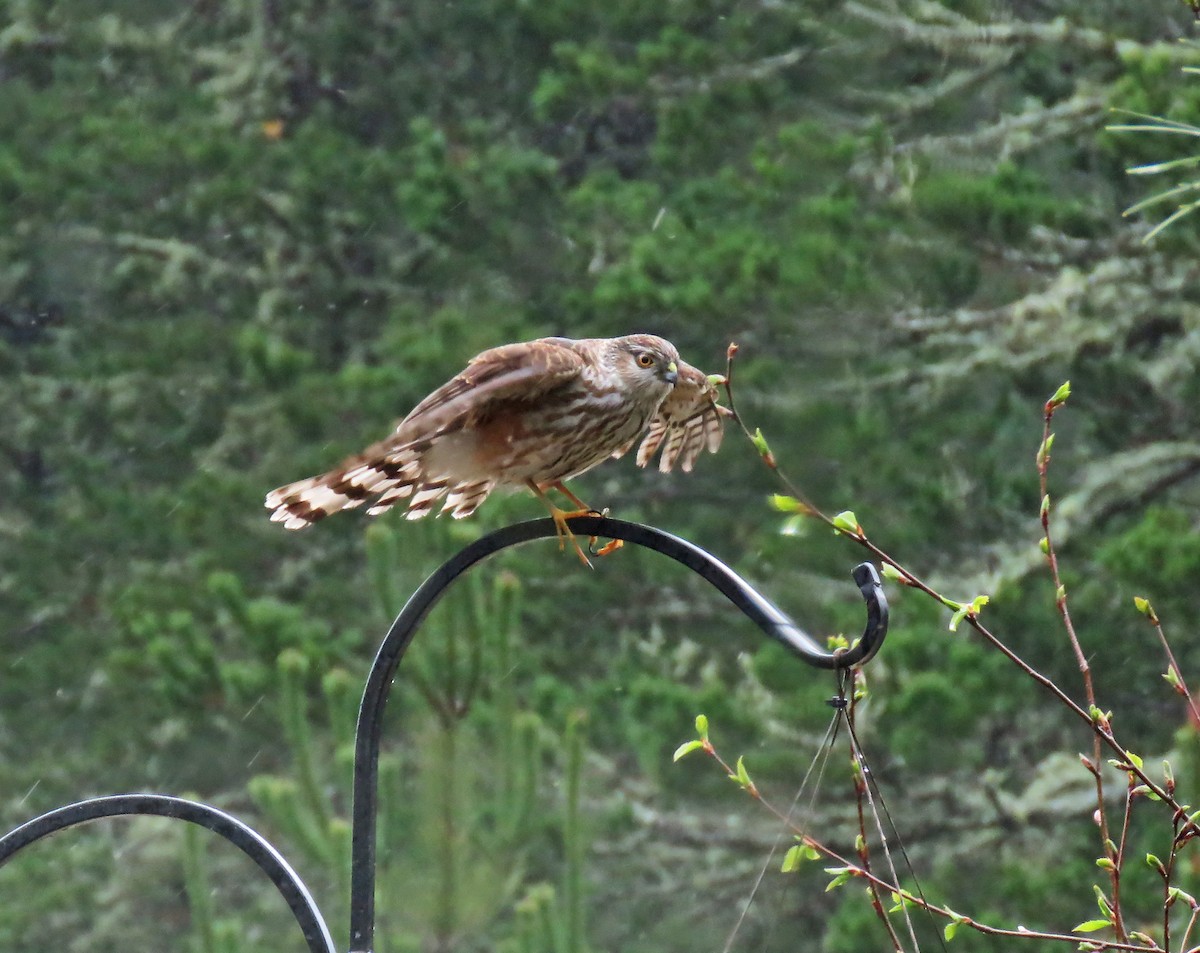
(512,371)
(689,422)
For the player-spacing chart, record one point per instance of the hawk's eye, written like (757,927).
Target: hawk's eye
(645,360)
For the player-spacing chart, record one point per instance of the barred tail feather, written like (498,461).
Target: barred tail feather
(465,498)
(305,502)
(389,498)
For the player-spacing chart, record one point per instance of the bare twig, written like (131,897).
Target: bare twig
(1060,602)
(1099,722)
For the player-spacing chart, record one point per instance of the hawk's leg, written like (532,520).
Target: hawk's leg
(584,510)
(560,517)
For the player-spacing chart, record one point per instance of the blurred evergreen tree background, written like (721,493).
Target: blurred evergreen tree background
(239,238)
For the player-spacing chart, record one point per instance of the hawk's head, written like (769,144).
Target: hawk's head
(647,364)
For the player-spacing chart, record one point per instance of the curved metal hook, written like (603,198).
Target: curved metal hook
(370,718)
(245,838)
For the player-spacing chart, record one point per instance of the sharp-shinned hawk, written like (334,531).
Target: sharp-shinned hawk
(532,414)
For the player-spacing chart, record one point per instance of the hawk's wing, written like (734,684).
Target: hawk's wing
(393,469)
(521,372)
(689,421)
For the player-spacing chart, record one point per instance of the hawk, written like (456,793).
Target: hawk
(532,414)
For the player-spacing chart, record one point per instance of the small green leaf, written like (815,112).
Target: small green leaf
(760,442)
(1154,863)
(1045,504)
(1143,606)
(1060,396)
(894,574)
(1134,760)
(958,617)
(787,504)
(957,919)
(796,856)
(841,875)
(702,727)
(1172,678)
(717,380)
(743,776)
(1043,453)
(1105,864)
(1044,545)
(1174,893)
(1091,926)
(687,748)
(847,522)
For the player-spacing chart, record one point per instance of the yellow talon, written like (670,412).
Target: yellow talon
(610,547)
(563,531)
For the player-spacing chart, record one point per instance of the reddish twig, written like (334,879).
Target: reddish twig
(877,883)
(1097,720)
(1060,602)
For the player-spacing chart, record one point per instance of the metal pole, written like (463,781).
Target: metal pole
(762,612)
(245,838)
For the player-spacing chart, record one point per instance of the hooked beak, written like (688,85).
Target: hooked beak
(671,374)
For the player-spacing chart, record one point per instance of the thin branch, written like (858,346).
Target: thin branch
(974,37)
(1099,726)
(878,883)
(756,71)
(1060,602)
(862,793)
(1013,135)
(1174,667)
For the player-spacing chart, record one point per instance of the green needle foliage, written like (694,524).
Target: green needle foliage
(239,239)
(464,834)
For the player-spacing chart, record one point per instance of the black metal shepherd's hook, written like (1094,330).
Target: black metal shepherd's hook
(370,719)
(370,715)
